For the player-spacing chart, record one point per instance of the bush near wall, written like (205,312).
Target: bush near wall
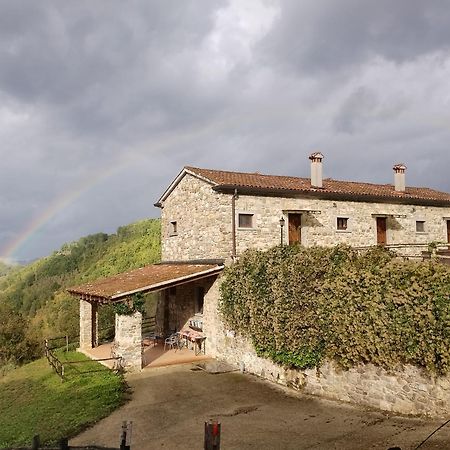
(301,305)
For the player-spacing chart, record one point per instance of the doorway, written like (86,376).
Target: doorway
(381,230)
(448,231)
(295,228)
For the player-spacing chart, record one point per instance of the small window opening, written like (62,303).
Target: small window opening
(173,228)
(245,221)
(342,223)
(420,226)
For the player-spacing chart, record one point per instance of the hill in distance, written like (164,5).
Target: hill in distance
(35,296)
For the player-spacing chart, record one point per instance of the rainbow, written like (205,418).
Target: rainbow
(132,155)
(57,205)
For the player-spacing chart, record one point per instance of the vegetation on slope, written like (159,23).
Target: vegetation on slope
(33,400)
(33,300)
(300,305)
(5,269)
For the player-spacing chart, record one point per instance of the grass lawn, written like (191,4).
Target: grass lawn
(34,400)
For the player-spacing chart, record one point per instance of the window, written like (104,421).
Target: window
(342,223)
(245,221)
(173,230)
(420,226)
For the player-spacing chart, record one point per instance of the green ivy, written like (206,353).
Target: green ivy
(301,305)
(135,303)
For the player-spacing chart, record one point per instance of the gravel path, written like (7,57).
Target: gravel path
(170,405)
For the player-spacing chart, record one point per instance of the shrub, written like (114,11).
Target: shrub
(299,306)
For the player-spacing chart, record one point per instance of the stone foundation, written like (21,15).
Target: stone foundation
(405,391)
(128,340)
(408,390)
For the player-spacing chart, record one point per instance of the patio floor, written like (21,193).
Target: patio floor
(154,356)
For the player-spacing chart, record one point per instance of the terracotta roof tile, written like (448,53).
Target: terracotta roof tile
(346,189)
(146,279)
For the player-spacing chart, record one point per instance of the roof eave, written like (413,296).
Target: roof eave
(321,193)
(96,297)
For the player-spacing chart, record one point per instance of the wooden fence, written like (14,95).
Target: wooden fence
(59,366)
(212,431)
(124,442)
(53,360)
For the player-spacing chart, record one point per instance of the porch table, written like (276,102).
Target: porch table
(197,339)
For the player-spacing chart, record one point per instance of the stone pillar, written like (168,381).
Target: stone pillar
(128,340)
(88,325)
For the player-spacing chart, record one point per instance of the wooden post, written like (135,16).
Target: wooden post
(35,443)
(64,444)
(67,343)
(125,436)
(212,435)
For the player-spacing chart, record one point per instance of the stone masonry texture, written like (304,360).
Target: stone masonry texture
(128,340)
(204,231)
(405,390)
(87,310)
(204,222)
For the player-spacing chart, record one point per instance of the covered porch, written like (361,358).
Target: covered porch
(181,288)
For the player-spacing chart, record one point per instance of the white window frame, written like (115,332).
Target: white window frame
(349,223)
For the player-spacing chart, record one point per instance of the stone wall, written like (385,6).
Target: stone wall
(407,390)
(319,226)
(204,220)
(128,340)
(181,304)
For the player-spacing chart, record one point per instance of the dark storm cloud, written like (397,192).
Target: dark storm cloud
(328,35)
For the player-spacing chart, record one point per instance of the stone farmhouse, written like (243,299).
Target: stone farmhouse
(209,217)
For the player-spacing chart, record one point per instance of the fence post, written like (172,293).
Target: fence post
(212,435)
(125,436)
(35,443)
(67,343)
(64,444)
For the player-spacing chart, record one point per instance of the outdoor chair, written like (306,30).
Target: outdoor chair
(171,341)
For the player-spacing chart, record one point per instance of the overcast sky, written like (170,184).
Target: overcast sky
(103,102)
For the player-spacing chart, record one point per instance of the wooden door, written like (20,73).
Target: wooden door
(448,231)
(295,228)
(381,230)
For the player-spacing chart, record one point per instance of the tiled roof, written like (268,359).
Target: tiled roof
(146,279)
(331,188)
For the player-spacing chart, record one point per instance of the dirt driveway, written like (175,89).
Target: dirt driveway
(169,406)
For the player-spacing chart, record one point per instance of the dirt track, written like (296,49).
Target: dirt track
(169,407)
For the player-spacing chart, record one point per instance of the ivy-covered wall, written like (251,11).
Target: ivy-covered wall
(301,306)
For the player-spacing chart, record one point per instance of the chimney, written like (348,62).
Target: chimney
(399,177)
(316,169)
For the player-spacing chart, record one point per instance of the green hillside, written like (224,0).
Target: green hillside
(33,300)
(5,269)
(34,400)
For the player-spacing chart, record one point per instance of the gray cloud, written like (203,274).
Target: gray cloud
(101,105)
(325,35)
